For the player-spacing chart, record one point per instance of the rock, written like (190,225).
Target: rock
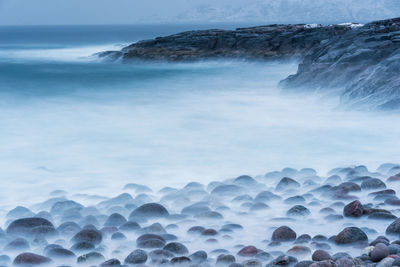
(111,262)
(115,219)
(88,235)
(149,211)
(82,246)
(27,226)
(321,255)
(198,257)
(28,259)
(351,235)
(68,228)
(20,212)
(137,256)
(299,251)
(91,258)
(283,260)
(196,230)
(386,262)
(379,252)
(150,241)
(287,183)
(298,210)
(18,244)
(248,251)
(252,263)
(62,206)
(60,253)
(372,184)
(362,61)
(326,263)
(225,260)
(209,232)
(393,228)
(344,262)
(353,209)
(129,226)
(245,180)
(303,264)
(180,261)
(176,248)
(118,236)
(283,233)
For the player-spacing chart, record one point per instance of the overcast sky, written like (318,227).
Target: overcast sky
(37,12)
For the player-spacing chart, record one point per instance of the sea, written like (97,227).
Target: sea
(69,121)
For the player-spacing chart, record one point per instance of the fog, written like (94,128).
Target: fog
(84,127)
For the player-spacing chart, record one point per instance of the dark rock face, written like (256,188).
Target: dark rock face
(283,233)
(270,41)
(149,210)
(364,61)
(379,252)
(286,183)
(351,235)
(393,228)
(137,256)
(28,259)
(88,235)
(298,210)
(27,226)
(353,209)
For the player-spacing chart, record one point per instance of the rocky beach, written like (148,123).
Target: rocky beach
(283,218)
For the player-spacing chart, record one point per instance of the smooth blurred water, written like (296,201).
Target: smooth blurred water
(70,122)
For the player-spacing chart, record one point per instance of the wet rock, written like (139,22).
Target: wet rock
(180,261)
(18,244)
(326,263)
(225,260)
(372,184)
(82,246)
(30,259)
(393,228)
(303,239)
(266,196)
(320,255)
(287,183)
(245,180)
(382,216)
(259,206)
(196,230)
(345,262)
(129,226)
(283,261)
(155,228)
(68,228)
(91,258)
(149,211)
(198,257)
(263,256)
(115,219)
(298,210)
(353,209)
(150,241)
(196,208)
(248,251)
(283,233)
(137,256)
(62,206)
(26,226)
(379,252)
(341,255)
(303,264)
(118,236)
(176,248)
(211,215)
(295,200)
(88,235)
(60,253)
(252,263)
(209,232)
(351,235)
(111,262)
(299,251)
(386,262)
(20,212)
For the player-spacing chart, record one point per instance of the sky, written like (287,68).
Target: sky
(65,12)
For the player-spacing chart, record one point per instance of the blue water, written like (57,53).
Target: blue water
(69,121)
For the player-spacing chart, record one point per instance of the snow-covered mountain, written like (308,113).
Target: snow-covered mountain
(289,11)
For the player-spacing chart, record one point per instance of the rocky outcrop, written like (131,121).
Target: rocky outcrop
(364,61)
(262,42)
(361,62)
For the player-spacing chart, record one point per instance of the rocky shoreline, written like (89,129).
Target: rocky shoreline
(283,218)
(360,61)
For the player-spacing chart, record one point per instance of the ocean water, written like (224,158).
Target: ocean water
(71,122)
